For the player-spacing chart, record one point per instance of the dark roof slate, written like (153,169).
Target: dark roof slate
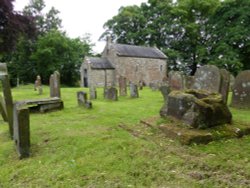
(138,51)
(99,63)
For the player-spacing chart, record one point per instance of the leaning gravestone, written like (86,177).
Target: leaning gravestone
(22,130)
(225,82)
(133,91)
(111,94)
(54,83)
(7,96)
(207,78)
(122,86)
(241,90)
(176,80)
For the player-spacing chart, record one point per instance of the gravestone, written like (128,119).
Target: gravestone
(154,86)
(176,80)
(82,100)
(3,110)
(241,90)
(165,90)
(141,84)
(111,94)
(197,108)
(122,86)
(225,82)
(22,131)
(8,101)
(133,90)
(208,78)
(189,80)
(54,83)
(232,81)
(92,92)
(38,85)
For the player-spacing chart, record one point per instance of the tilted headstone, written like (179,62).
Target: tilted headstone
(22,131)
(92,92)
(241,90)
(133,90)
(122,86)
(7,96)
(82,100)
(3,110)
(54,83)
(165,90)
(225,81)
(111,94)
(207,78)
(176,80)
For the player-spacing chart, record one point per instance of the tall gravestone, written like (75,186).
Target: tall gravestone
(225,83)
(241,90)
(92,92)
(176,80)
(122,86)
(54,83)
(21,130)
(208,78)
(38,85)
(133,90)
(8,101)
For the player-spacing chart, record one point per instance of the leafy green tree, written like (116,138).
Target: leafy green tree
(230,41)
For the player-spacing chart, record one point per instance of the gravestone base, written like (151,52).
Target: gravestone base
(176,130)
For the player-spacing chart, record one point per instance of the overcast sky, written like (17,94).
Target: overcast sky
(84,16)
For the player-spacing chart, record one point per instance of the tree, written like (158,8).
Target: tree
(12,24)
(230,41)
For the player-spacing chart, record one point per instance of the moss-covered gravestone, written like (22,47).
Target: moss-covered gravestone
(54,82)
(197,108)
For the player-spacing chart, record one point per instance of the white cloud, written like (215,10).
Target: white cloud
(84,16)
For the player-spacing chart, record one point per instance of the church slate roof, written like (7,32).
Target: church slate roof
(99,63)
(138,51)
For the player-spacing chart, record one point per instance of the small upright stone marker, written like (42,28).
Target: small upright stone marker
(225,84)
(122,86)
(38,85)
(111,94)
(54,83)
(82,100)
(93,93)
(134,91)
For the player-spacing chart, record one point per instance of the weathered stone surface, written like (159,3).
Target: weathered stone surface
(225,81)
(197,108)
(111,94)
(54,83)
(165,90)
(81,98)
(122,86)
(141,84)
(3,110)
(8,101)
(189,81)
(241,90)
(232,81)
(154,86)
(207,78)
(133,90)
(93,93)
(22,131)
(38,85)
(176,80)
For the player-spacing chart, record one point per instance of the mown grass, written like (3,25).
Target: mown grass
(77,147)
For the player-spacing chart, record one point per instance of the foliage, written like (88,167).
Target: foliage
(76,147)
(12,24)
(190,32)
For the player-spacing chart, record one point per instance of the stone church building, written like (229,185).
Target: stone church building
(135,63)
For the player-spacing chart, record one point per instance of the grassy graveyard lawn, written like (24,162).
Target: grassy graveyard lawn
(107,147)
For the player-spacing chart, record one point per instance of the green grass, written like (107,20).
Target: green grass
(77,147)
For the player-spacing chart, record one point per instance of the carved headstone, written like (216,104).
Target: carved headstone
(176,80)
(208,78)
(122,86)
(54,83)
(241,90)
(133,91)
(7,96)
(225,82)
(22,131)
(111,94)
